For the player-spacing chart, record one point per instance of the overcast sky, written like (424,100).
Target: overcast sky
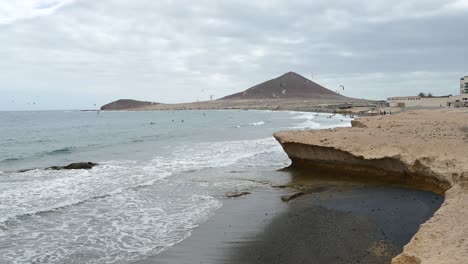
(72,54)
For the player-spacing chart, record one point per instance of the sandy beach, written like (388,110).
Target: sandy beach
(331,223)
(233,132)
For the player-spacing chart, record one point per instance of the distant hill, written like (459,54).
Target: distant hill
(289,85)
(125,104)
(299,93)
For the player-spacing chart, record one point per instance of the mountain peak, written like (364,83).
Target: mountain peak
(288,85)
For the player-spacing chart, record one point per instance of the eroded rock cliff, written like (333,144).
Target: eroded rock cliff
(426,149)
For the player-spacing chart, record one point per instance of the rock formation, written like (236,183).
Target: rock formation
(236,194)
(290,197)
(75,166)
(425,149)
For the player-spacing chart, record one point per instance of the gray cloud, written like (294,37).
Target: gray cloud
(75,54)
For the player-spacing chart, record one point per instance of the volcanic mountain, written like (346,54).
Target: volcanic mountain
(289,85)
(124,104)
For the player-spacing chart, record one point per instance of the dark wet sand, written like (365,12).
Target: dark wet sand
(346,224)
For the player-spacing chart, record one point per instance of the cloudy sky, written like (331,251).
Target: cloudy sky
(72,54)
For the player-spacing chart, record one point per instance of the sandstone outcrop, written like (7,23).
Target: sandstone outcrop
(426,149)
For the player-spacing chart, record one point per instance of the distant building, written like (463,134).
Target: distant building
(439,101)
(418,101)
(464,85)
(404,98)
(435,101)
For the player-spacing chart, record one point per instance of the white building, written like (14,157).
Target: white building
(464,85)
(437,101)
(458,101)
(418,101)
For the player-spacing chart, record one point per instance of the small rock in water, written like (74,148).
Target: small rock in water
(280,186)
(24,170)
(287,198)
(74,166)
(236,194)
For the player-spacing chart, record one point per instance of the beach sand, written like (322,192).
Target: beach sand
(330,224)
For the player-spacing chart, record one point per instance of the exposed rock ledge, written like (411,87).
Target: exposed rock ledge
(426,149)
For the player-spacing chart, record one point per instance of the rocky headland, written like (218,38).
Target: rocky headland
(425,149)
(125,104)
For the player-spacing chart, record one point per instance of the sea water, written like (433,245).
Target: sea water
(141,199)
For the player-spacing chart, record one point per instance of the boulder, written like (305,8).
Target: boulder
(236,194)
(74,166)
(289,197)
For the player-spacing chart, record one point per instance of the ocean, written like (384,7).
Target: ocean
(160,175)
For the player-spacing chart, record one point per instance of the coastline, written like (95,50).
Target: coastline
(251,231)
(424,149)
(335,223)
(359,106)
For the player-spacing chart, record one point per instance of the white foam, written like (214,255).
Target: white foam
(313,120)
(258,123)
(49,190)
(307,118)
(119,229)
(121,211)
(39,190)
(221,154)
(148,222)
(309,124)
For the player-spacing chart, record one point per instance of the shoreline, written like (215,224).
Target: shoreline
(424,149)
(359,106)
(334,223)
(364,109)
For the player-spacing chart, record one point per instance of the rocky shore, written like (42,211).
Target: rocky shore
(425,149)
